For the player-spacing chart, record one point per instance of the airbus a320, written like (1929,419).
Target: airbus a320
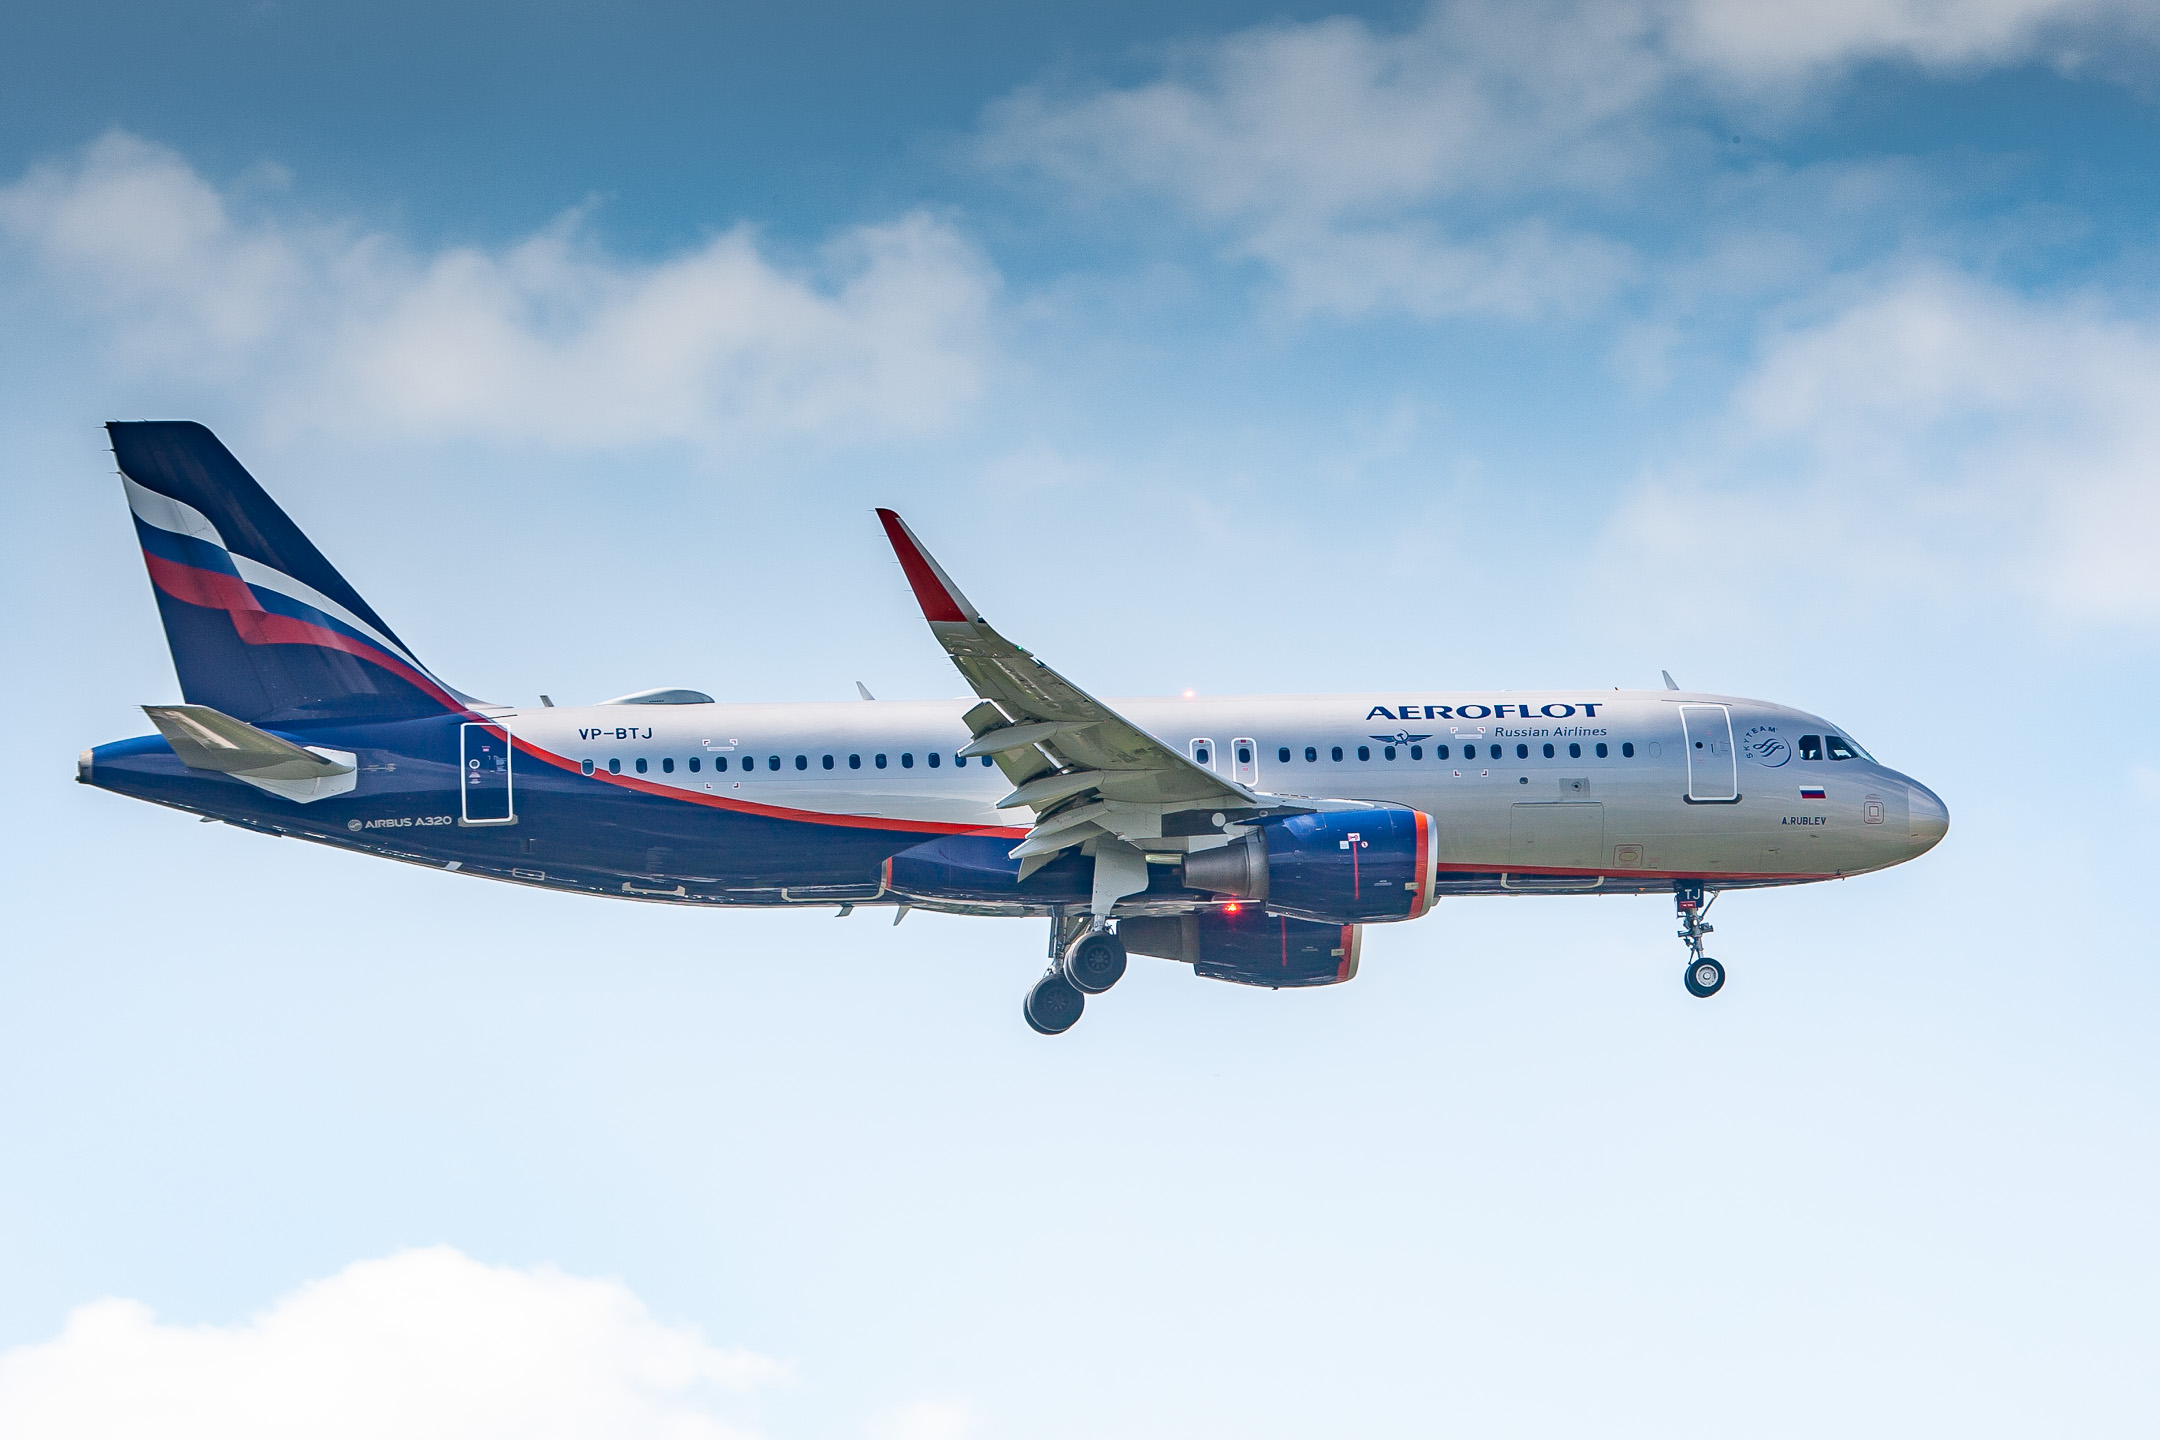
(1253,839)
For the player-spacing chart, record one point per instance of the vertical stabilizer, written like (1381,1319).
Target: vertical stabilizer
(261,626)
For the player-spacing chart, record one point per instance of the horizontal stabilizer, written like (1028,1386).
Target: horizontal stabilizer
(207,739)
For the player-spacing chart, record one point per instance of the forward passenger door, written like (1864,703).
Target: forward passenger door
(1712,766)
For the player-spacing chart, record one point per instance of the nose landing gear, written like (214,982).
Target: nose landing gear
(1705,976)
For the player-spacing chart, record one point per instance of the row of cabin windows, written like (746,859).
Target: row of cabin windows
(772,762)
(1440,752)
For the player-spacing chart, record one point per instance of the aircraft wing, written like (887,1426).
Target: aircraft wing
(1078,765)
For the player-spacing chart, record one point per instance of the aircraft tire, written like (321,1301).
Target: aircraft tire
(1094,962)
(1705,977)
(1053,1006)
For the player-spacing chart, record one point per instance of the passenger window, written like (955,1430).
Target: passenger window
(719,762)
(641,765)
(667,766)
(934,758)
(1522,752)
(1364,752)
(986,762)
(879,761)
(1244,754)
(1601,749)
(1200,755)
(584,767)
(1335,752)
(1311,755)
(772,762)
(854,762)
(1811,747)
(1574,751)
(614,767)
(1627,749)
(1441,751)
(1838,749)
(1387,752)
(826,762)
(1417,752)
(693,764)
(1282,755)
(907,759)
(1548,750)
(1496,752)
(802,762)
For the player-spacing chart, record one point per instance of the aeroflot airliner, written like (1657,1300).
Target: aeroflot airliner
(1253,839)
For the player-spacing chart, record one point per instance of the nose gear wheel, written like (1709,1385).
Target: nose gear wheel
(1704,976)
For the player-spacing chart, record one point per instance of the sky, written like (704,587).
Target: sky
(1806,350)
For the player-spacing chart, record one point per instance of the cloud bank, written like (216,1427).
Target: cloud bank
(1390,172)
(549,340)
(1933,435)
(421,1345)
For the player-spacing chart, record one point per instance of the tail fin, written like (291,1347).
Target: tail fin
(261,626)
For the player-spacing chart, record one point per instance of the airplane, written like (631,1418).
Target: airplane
(1252,838)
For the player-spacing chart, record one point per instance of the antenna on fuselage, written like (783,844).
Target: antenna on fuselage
(864,691)
(1668,679)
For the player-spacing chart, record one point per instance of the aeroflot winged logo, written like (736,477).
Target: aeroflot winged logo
(1506,709)
(1401,737)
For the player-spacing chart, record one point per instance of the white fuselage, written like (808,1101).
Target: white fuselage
(1587,790)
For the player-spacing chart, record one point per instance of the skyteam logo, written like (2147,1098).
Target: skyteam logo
(1401,737)
(1765,746)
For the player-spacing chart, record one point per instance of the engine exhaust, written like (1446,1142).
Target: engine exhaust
(1239,868)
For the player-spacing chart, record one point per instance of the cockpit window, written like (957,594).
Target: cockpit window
(1841,748)
(1811,747)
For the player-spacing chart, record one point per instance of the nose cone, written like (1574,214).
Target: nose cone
(1930,818)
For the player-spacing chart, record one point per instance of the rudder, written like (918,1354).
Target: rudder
(261,626)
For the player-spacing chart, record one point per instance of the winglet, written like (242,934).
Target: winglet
(940,599)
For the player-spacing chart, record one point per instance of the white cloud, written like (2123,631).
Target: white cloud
(1394,171)
(423,1344)
(1319,148)
(1776,39)
(926,1420)
(551,339)
(1934,435)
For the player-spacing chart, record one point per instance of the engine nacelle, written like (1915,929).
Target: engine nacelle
(1337,867)
(1248,946)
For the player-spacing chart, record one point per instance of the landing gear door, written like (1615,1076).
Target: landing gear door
(1713,769)
(485,797)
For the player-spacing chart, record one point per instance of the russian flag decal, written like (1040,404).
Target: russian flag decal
(1811,792)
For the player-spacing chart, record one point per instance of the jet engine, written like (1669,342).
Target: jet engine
(1248,946)
(1338,867)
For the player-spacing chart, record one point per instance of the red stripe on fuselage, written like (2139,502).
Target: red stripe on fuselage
(770,812)
(1449,866)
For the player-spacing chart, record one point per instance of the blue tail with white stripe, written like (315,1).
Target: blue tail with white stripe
(262,627)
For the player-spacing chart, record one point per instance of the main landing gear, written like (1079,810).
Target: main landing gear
(1705,976)
(1086,958)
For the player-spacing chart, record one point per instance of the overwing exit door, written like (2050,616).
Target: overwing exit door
(1713,769)
(484,776)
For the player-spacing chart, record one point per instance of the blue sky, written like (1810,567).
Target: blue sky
(1805,350)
